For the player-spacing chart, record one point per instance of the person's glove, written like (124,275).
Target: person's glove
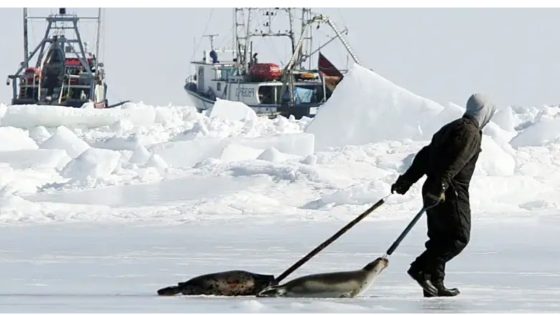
(401,186)
(435,194)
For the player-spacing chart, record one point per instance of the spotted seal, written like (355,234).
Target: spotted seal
(227,283)
(329,285)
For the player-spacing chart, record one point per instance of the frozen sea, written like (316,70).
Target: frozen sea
(101,208)
(511,265)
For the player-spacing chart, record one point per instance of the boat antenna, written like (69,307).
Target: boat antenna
(211,36)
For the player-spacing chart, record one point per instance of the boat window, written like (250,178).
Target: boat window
(227,73)
(200,81)
(304,95)
(268,94)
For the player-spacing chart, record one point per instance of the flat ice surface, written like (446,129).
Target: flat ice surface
(511,265)
(168,191)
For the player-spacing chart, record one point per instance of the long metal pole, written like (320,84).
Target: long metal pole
(291,30)
(287,80)
(407,229)
(344,42)
(326,43)
(97,40)
(83,57)
(303,31)
(42,45)
(247,39)
(25,41)
(330,240)
(310,41)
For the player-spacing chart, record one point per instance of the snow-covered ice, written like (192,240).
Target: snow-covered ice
(372,105)
(118,268)
(100,208)
(231,110)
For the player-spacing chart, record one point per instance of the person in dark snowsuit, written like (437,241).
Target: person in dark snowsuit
(448,162)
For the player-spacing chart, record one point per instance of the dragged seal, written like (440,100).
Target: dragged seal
(329,285)
(227,283)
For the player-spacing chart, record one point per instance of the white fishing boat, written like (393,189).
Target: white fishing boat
(298,88)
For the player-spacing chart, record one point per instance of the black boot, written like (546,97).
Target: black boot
(423,280)
(442,290)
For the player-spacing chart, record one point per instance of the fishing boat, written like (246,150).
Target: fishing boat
(60,70)
(298,88)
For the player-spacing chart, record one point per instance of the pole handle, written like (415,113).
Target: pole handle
(319,248)
(408,228)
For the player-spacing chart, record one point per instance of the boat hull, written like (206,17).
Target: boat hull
(202,103)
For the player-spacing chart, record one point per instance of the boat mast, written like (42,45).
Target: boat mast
(292,40)
(247,38)
(240,29)
(310,46)
(97,39)
(243,36)
(25,41)
(287,77)
(306,48)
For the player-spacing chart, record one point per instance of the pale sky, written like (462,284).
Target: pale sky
(513,55)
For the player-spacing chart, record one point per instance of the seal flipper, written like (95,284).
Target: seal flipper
(173,290)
